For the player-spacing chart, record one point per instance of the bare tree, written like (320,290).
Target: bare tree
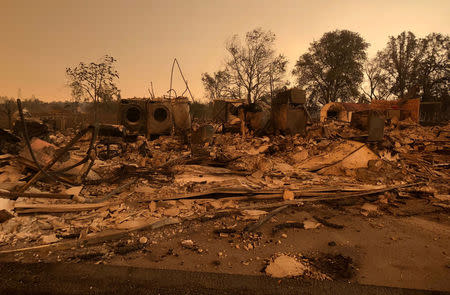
(217,85)
(376,85)
(94,81)
(254,67)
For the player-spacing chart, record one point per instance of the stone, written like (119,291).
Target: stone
(254,212)
(134,223)
(310,224)
(49,239)
(152,206)
(6,204)
(75,191)
(79,199)
(172,212)
(300,156)
(283,167)
(258,174)
(10,186)
(143,240)
(285,266)
(260,150)
(187,243)
(5,215)
(369,209)
(145,189)
(10,174)
(288,195)
(442,197)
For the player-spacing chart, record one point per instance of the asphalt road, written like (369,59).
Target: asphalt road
(41,278)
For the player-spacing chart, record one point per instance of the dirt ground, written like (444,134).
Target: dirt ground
(409,248)
(325,207)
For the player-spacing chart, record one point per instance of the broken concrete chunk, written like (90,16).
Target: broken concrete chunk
(49,239)
(187,243)
(10,174)
(79,199)
(145,189)
(260,150)
(369,209)
(359,158)
(310,224)
(11,186)
(33,190)
(253,214)
(75,191)
(43,151)
(442,197)
(442,205)
(288,195)
(258,174)
(345,155)
(300,156)
(216,204)
(6,204)
(92,176)
(130,223)
(285,266)
(389,156)
(172,212)
(283,167)
(5,215)
(152,206)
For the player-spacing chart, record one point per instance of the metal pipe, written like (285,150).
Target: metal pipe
(27,140)
(58,156)
(182,76)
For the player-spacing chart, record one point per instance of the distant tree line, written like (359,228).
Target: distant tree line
(8,108)
(335,68)
(107,110)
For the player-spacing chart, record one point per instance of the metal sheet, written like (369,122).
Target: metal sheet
(376,127)
(296,121)
(159,118)
(202,135)
(289,119)
(181,116)
(133,115)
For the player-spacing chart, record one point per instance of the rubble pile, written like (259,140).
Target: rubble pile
(152,184)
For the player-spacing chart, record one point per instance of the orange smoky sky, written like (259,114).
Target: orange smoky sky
(39,39)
